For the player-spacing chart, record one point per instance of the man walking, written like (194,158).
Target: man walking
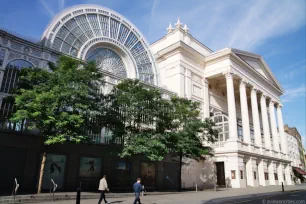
(137,189)
(103,187)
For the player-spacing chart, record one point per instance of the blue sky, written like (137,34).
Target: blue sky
(274,29)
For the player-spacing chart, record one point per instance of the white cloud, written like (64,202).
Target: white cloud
(152,14)
(294,93)
(237,23)
(47,8)
(51,8)
(61,4)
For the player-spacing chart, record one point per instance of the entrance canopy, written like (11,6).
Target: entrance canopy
(300,171)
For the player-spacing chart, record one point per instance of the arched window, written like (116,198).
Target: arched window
(11,74)
(108,60)
(221,124)
(9,81)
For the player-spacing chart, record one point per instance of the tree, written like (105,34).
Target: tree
(189,135)
(154,127)
(62,103)
(132,115)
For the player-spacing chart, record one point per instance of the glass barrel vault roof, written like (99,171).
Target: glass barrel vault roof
(72,31)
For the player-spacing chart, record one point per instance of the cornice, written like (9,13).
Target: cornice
(227,53)
(14,38)
(179,46)
(259,76)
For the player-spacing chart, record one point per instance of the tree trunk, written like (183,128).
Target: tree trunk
(180,172)
(41,173)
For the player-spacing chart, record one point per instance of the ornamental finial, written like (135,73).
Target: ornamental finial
(178,23)
(170,29)
(186,29)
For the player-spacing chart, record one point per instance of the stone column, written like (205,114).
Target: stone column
(233,135)
(271,173)
(255,115)
(250,169)
(244,112)
(273,126)
(206,99)
(282,134)
(288,170)
(280,174)
(261,173)
(265,121)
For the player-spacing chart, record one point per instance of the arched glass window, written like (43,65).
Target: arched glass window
(108,60)
(221,124)
(11,73)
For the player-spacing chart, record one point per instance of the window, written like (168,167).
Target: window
(241,174)
(252,136)
(240,132)
(276,176)
(266,176)
(233,174)
(107,60)
(11,74)
(254,175)
(221,124)
(2,54)
(284,177)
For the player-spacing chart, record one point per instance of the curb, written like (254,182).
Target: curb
(273,194)
(47,197)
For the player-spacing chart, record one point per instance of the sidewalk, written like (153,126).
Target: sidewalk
(155,197)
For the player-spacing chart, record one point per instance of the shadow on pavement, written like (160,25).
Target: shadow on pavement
(119,201)
(239,198)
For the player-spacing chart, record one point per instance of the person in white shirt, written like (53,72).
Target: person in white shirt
(103,187)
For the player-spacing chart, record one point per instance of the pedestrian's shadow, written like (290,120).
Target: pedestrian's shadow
(119,201)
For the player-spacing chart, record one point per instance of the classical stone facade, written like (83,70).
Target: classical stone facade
(235,88)
(238,91)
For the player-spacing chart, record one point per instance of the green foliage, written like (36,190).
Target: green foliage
(152,126)
(60,103)
(189,134)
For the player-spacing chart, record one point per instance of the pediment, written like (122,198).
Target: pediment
(259,65)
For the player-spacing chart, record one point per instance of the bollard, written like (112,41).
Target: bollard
(78,199)
(283,187)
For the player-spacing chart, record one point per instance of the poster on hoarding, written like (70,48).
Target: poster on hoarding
(90,167)
(55,170)
(148,171)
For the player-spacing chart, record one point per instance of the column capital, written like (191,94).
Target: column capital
(228,75)
(271,103)
(263,96)
(279,105)
(243,83)
(205,81)
(254,89)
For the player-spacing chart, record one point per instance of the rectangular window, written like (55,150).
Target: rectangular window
(276,176)
(233,174)
(266,176)
(241,174)
(252,136)
(254,175)
(240,133)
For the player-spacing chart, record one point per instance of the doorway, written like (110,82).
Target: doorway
(220,174)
